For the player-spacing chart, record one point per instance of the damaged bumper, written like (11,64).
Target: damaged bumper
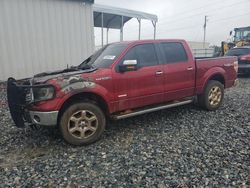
(44,118)
(20,99)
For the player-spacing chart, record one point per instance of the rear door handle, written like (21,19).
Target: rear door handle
(158,73)
(190,68)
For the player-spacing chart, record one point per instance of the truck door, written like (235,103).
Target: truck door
(144,86)
(179,70)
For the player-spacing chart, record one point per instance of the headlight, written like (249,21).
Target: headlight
(43,93)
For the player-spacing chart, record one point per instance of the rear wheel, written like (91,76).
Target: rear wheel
(82,123)
(213,96)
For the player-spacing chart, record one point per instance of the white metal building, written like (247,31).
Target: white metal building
(47,35)
(201,50)
(43,35)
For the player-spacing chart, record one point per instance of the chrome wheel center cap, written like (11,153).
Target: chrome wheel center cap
(83,123)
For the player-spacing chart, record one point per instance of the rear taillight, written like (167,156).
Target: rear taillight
(245,57)
(236,66)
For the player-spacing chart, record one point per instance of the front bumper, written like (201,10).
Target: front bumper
(244,68)
(20,103)
(44,118)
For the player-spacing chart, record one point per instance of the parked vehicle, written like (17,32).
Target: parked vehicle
(119,81)
(240,38)
(243,54)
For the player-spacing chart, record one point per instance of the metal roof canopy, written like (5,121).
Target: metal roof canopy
(115,18)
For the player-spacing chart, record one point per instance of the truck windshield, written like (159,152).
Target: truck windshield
(239,35)
(238,52)
(104,57)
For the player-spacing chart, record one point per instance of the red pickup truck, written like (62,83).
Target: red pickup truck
(118,81)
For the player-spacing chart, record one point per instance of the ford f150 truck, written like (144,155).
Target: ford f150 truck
(120,80)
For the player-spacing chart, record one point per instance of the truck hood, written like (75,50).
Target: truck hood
(45,76)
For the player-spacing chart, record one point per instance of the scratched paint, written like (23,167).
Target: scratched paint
(75,82)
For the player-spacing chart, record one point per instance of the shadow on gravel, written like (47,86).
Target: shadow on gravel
(51,137)
(27,154)
(27,145)
(157,121)
(168,113)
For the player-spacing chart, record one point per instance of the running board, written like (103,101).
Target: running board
(144,111)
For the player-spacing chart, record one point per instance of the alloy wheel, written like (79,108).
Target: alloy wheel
(82,124)
(214,96)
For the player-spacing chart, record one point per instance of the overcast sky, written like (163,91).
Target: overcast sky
(183,18)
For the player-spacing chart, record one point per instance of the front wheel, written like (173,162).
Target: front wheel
(212,97)
(82,123)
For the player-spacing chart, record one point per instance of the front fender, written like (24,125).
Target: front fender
(96,90)
(65,89)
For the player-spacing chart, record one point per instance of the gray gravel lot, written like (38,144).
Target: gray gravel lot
(179,147)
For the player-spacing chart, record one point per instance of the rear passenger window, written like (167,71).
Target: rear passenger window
(145,55)
(174,52)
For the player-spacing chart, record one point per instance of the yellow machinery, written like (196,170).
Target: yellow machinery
(241,38)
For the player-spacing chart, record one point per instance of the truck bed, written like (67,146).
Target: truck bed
(206,66)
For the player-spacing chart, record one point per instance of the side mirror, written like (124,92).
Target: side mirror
(128,65)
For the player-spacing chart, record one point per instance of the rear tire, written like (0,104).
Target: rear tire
(213,96)
(82,124)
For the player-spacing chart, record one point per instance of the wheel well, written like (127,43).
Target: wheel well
(219,78)
(80,97)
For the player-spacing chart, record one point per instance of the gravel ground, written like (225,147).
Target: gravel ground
(180,147)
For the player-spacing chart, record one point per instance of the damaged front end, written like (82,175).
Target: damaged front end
(24,96)
(21,95)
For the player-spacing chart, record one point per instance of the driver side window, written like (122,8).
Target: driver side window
(145,55)
(130,55)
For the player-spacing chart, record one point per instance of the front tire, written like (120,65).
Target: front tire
(213,96)
(82,124)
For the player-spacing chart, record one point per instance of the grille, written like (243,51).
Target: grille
(26,91)
(28,96)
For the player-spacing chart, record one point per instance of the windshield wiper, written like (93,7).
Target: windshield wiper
(72,68)
(85,62)
(86,66)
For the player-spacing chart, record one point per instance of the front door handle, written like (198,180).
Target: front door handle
(158,73)
(190,68)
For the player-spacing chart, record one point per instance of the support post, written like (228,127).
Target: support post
(102,31)
(121,30)
(139,37)
(107,39)
(205,28)
(154,24)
